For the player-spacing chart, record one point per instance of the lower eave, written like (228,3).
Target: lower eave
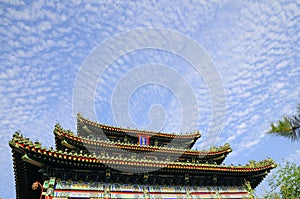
(41,157)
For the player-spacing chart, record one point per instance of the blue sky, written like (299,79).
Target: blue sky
(254,47)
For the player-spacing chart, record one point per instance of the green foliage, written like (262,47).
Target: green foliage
(285,183)
(272,196)
(288,127)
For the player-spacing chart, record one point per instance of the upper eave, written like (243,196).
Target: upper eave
(80,119)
